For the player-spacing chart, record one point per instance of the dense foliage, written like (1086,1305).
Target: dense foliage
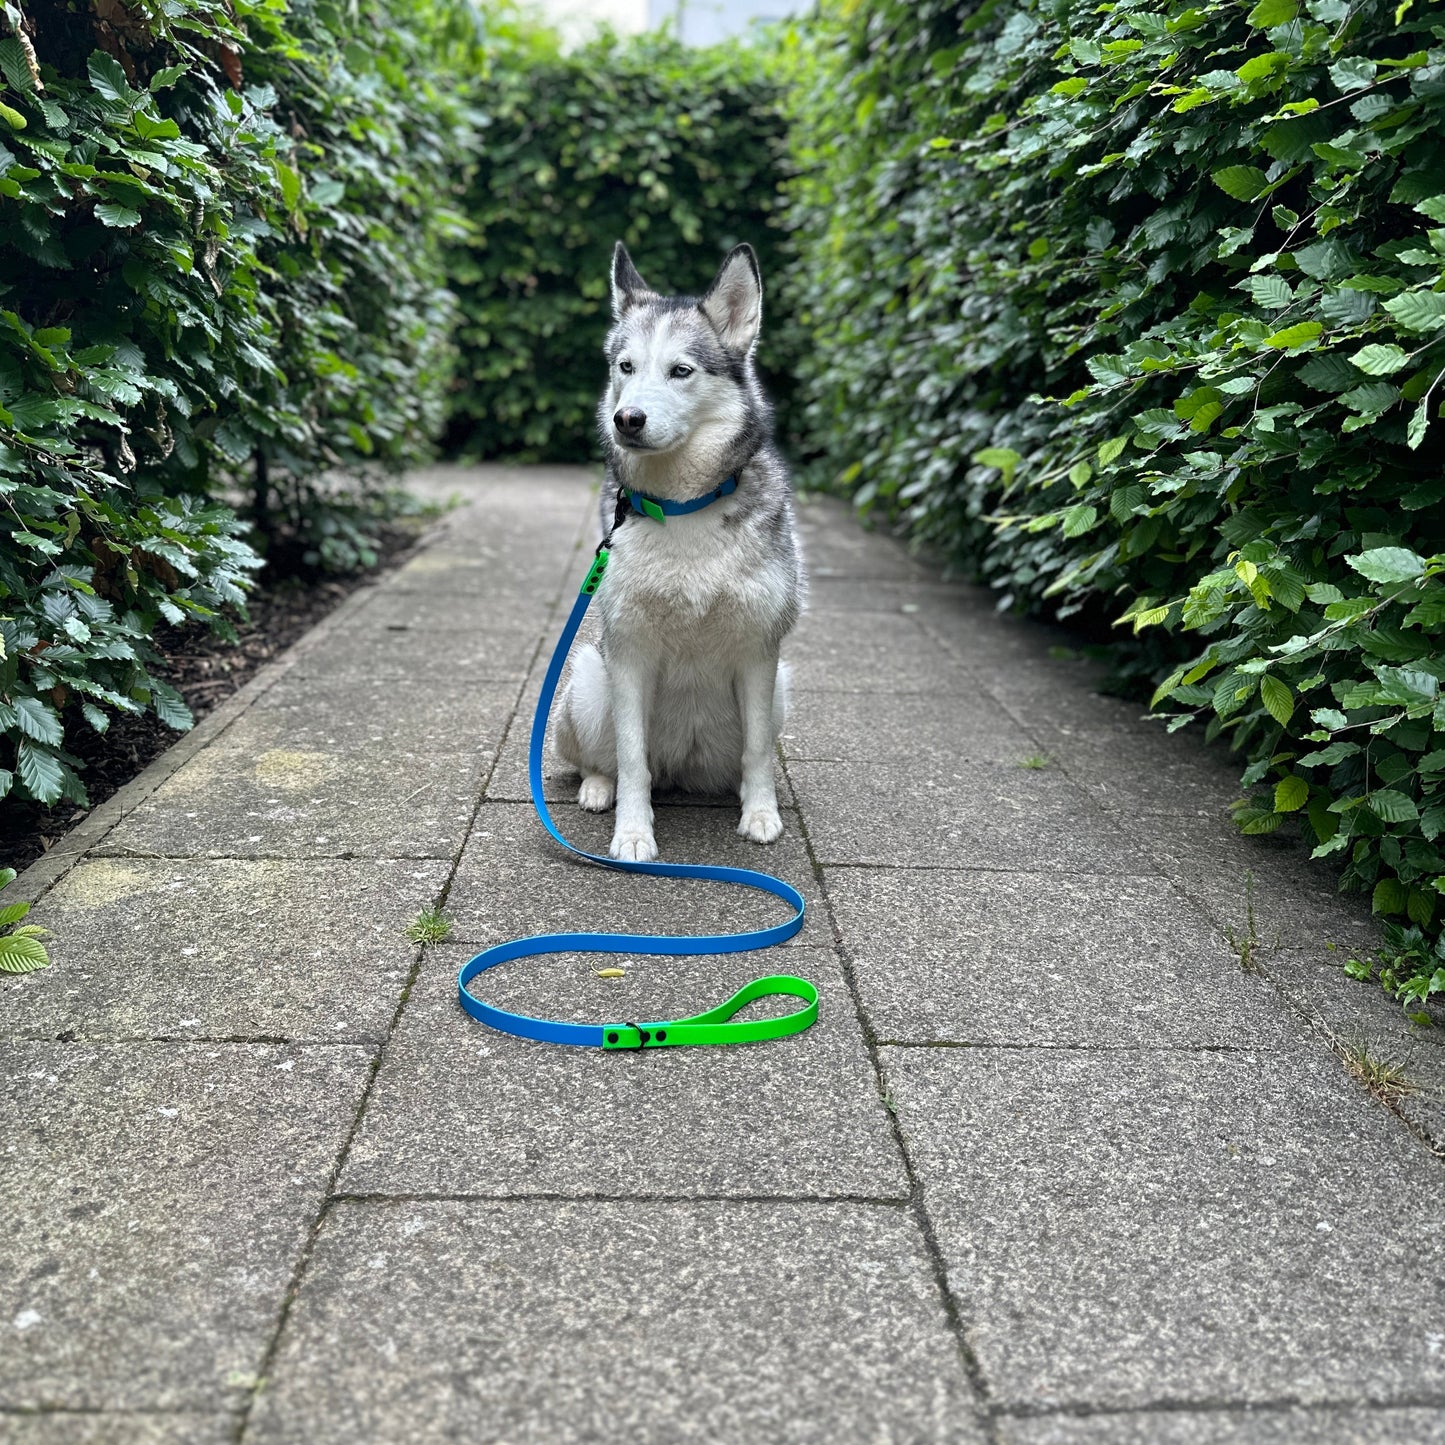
(678,152)
(220,231)
(1140,306)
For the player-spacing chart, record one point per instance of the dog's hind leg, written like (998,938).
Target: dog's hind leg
(584,738)
(761,700)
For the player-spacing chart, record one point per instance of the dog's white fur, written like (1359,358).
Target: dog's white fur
(687,688)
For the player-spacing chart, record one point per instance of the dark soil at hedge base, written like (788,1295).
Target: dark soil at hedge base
(206,670)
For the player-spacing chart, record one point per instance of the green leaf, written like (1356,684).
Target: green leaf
(1419,421)
(1005,459)
(112,215)
(1388,564)
(37,720)
(290,184)
(1391,806)
(1380,360)
(1418,310)
(1388,897)
(39,771)
(1272,292)
(169,706)
(108,78)
(22,955)
(1297,335)
(1291,794)
(1244,183)
(1269,13)
(1277,698)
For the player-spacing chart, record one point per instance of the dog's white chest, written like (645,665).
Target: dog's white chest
(701,589)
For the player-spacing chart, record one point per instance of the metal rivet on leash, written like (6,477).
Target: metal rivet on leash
(716,1025)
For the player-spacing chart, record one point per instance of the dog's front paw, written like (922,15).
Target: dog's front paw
(596,793)
(634,845)
(761,824)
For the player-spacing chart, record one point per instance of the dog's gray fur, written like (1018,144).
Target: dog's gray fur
(686,688)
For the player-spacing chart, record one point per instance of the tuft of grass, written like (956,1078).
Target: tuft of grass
(1036,762)
(1245,941)
(1382,1077)
(431,925)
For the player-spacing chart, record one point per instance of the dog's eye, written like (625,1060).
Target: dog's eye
(681,370)
(625,367)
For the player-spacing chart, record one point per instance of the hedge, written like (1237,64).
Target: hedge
(221,245)
(1139,309)
(678,152)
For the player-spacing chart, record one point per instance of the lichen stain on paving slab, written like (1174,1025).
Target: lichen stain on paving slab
(101,882)
(431,564)
(283,768)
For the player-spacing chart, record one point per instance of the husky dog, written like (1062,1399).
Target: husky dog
(686,688)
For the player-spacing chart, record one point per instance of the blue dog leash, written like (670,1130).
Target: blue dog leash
(715,1026)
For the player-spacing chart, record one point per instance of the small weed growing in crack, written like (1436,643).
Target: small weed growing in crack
(1036,762)
(1383,1078)
(431,925)
(1245,942)
(889,1102)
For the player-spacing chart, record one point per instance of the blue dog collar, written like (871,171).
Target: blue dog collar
(660,509)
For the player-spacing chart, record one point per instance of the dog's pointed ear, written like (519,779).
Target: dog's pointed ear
(628,287)
(734,301)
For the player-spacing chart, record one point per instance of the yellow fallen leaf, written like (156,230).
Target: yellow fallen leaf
(610,972)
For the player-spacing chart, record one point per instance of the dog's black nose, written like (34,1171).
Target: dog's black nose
(630,420)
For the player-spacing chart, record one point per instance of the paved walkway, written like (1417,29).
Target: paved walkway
(1052,1169)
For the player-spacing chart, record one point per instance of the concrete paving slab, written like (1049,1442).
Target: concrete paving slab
(1352,1012)
(461,1109)
(1296,902)
(1036,687)
(177,948)
(1369,1426)
(1371,1029)
(864,652)
(514,880)
(160,1196)
(658,1322)
(423,614)
(1141,769)
(375,717)
(902,728)
(500,649)
(920,595)
(458,568)
(70,1428)
(941,815)
(1128,1230)
(233,800)
(480,493)
(834,544)
(1048,960)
